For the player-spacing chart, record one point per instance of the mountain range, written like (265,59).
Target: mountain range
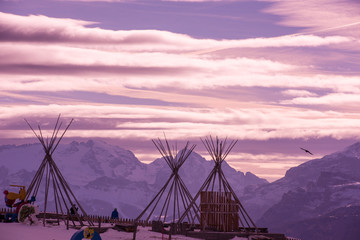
(316,192)
(104,177)
(319,199)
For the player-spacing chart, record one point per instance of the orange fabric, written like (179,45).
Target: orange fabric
(22,194)
(12,196)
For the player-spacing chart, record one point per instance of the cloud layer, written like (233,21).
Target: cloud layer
(138,84)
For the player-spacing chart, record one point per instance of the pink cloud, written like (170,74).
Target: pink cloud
(52,30)
(47,55)
(299,93)
(255,89)
(334,99)
(257,124)
(318,15)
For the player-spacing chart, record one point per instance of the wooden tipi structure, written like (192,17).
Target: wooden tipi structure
(220,208)
(174,197)
(64,199)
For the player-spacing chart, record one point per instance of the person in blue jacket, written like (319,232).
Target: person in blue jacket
(115,214)
(87,233)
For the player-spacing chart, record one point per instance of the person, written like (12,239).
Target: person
(73,209)
(86,233)
(115,214)
(11,217)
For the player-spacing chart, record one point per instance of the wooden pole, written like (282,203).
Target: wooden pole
(134,234)
(51,171)
(68,218)
(99,219)
(175,160)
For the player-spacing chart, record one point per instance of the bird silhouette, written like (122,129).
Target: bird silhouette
(306,151)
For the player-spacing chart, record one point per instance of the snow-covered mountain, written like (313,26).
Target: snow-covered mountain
(312,198)
(342,223)
(331,191)
(104,176)
(310,191)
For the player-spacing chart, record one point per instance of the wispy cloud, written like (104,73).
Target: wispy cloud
(257,124)
(318,15)
(298,93)
(138,84)
(334,99)
(61,31)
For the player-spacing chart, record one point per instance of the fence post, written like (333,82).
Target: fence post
(134,235)
(67,221)
(171,230)
(99,224)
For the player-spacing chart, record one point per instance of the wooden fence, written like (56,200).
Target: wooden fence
(92,218)
(7,210)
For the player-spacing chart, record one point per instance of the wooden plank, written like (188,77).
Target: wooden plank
(218,211)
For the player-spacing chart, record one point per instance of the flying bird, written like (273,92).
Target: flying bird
(306,151)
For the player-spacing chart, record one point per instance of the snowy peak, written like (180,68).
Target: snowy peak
(337,169)
(330,192)
(352,151)
(198,166)
(346,161)
(102,159)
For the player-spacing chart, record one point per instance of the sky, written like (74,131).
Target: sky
(276,75)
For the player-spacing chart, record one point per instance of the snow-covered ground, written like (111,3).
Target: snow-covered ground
(18,231)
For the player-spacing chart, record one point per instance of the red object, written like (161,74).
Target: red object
(9,203)
(18,206)
(6,192)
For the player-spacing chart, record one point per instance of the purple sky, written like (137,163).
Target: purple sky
(275,74)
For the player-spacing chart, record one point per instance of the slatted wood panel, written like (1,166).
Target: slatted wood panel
(219,212)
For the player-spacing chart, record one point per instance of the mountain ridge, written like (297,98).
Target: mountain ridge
(310,192)
(105,176)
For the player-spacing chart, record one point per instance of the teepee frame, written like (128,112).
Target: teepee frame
(64,198)
(177,194)
(217,183)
